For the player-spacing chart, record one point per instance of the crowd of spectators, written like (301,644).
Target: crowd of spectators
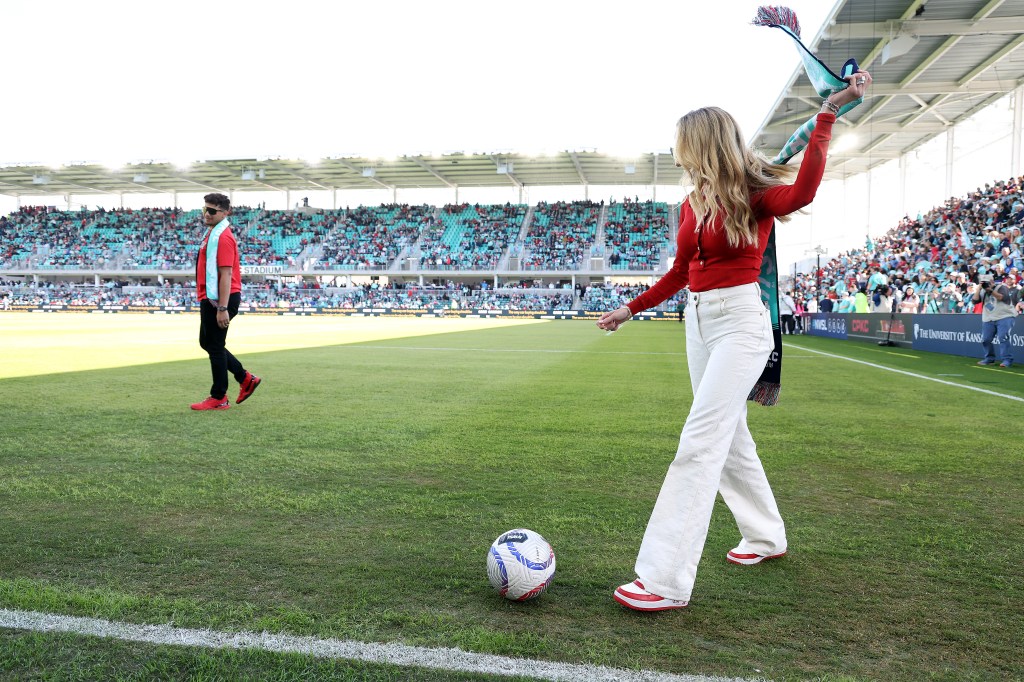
(371,238)
(931,263)
(279,237)
(528,295)
(602,297)
(471,237)
(454,237)
(44,238)
(155,238)
(635,234)
(559,235)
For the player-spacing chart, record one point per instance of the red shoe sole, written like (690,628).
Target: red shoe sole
(751,559)
(634,607)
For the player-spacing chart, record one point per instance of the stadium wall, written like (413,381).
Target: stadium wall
(648,315)
(947,334)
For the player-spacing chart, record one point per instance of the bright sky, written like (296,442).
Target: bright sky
(112,81)
(189,80)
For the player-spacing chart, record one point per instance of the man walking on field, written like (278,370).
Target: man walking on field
(219,290)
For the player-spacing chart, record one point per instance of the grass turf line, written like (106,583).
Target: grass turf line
(355,495)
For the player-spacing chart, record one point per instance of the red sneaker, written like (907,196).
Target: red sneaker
(212,403)
(750,559)
(249,385)
(634,596)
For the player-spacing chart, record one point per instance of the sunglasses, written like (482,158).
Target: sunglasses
(213,211)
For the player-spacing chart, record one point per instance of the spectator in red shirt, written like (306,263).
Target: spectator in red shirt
(219,290)
(723,229)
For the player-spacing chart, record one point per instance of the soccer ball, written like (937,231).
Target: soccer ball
(520,564)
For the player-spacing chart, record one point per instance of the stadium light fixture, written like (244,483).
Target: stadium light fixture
(898,46)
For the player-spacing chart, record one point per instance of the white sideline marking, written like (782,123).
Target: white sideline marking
(911,374)
(508,350)
(454,660)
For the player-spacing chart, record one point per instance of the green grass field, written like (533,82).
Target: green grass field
(355,495)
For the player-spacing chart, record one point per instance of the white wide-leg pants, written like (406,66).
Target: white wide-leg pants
(728,340)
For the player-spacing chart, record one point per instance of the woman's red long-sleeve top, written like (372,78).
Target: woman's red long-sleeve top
(716,264)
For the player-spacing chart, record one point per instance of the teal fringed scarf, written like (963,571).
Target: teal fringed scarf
(766,391)
(212,241)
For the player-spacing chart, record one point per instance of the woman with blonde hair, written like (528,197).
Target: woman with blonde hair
(724,226)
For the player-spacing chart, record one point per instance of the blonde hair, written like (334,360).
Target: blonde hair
(724,172)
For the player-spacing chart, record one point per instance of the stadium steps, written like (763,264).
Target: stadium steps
(417,246)
(311,254)
(599,234)
(519,243)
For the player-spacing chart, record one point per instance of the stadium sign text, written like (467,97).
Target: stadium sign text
(262,269)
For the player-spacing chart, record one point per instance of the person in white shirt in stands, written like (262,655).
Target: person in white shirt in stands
(787,308)
(910,303)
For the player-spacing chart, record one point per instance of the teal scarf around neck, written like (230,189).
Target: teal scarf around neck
(825,82)
(212,241)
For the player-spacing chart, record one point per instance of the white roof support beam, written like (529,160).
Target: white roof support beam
(138,184)
(178,176)
(40,189)
(235,173)
(289,171)
(579,168)
(359,171)
(427,167)
(926,28)
(943,88)
(887,127)
(511,176)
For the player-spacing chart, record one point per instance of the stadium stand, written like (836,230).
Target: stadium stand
(636,233)
(559,235)
(470,237)
(279,237)
(372,238)
(940,253)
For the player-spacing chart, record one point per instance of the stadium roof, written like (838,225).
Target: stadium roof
(933,62)
(406,172)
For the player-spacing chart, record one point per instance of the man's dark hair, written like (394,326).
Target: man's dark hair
(218,200)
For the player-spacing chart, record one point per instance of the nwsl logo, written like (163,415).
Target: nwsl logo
(512,536)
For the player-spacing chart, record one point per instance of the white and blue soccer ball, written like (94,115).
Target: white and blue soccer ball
(520,564)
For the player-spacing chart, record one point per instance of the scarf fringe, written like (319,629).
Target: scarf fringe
(765,393)
(770,15)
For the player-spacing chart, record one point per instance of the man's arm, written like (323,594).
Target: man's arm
(224,293)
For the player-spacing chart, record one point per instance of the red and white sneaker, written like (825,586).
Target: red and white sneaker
(634,596)
(212,403)
(248,386)
(750,559)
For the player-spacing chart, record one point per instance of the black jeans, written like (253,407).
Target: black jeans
(212,339)
(788,323)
